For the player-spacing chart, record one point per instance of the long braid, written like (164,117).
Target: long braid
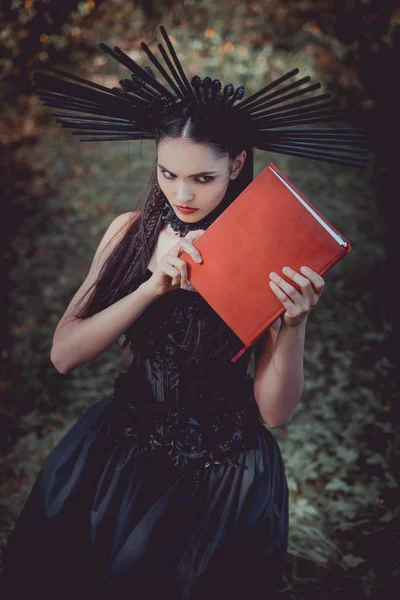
(150,222)
(148,228)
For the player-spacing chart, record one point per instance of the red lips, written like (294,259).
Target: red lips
(186,210)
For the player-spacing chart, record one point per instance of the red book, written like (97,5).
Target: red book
(268,226)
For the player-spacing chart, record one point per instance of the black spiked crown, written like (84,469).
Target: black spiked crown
(267,118)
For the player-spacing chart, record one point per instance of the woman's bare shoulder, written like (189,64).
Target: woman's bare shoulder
(122,222)
(127,217)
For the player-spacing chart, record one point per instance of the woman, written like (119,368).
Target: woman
(131,500)
(172,486)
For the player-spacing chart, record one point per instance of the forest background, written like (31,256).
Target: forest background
(59,196)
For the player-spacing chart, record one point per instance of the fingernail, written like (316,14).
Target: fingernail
(198,259)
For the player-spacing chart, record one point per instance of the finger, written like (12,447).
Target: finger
(306,285)
(181,267)
(287,288)
(286,300)
(185,245)
(316,279)
(194,234)
(181,246)
(172,272)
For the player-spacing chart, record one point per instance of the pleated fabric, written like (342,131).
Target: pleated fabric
(102,520)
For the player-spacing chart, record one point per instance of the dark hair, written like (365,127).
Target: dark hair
(128,260)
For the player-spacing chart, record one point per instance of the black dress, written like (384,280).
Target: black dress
(171,487)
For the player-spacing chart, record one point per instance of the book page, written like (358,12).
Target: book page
(321,221)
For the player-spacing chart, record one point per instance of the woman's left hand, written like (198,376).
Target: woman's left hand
(298,305)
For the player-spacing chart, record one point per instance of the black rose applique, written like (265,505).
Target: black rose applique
(186,438)
(227,428)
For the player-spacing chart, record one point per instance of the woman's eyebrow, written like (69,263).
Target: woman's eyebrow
(195,175)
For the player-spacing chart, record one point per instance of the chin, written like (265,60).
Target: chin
(192,217)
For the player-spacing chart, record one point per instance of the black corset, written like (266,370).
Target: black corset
(196,407)
(196,418)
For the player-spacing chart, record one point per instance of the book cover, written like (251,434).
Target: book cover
(268,226)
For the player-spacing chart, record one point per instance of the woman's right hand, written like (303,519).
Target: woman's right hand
(171,271)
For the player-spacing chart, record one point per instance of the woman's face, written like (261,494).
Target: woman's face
(192,175)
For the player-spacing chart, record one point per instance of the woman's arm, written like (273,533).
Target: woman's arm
(78,341)
(81,340)
(279,376)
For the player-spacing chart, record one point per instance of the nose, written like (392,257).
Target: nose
(184,193)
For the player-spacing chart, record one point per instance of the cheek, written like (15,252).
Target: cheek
(163,185)
(215,193)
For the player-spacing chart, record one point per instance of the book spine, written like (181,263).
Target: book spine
(239,354)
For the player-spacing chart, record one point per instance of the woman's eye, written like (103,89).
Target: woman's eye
(208,178)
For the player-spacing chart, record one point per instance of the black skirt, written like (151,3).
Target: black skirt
(103,521)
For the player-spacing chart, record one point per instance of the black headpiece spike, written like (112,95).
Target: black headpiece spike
(282,99)
(66,89)
(216,87)
(268,87)
(135,85)
(196,83)
(263,101)
(152,84)
(159,66)
(238,95)
(206,85)
(228,92)
(285,107)
(150,72)
(269,118)
(182,91)
(176,60)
